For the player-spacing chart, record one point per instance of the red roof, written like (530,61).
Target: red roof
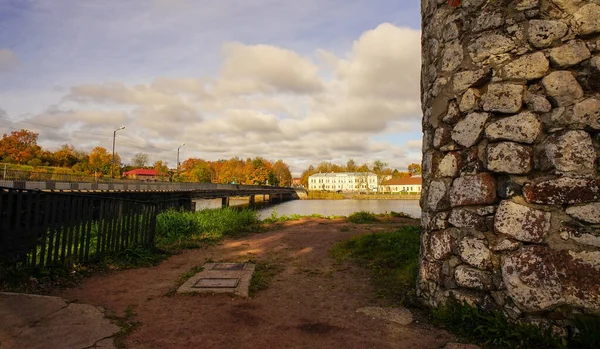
(405,181)
(141,172)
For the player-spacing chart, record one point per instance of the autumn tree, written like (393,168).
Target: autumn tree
(194,170)
(161,169)
(19,147)
(307,173)
(100,161)
(414,169)
(282,174)
(65,156)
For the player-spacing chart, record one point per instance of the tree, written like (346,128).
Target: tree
(282,174)
(100,161)
(162,171)
(194,170)
(65,156)
(351,166)
(414,169)
(139,160)
(19,147)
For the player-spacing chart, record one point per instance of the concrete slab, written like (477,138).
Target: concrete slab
(32,321)
(231,278)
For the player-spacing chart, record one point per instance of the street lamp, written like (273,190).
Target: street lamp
(112,166)
(178,157)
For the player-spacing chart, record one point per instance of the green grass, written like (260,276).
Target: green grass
(264,273)
(126,324)
(492,329)
(392,258)
(362,217)
(274,218)
(176,230)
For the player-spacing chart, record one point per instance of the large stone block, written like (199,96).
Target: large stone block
(571,151)
(437,197)
(587,112)
(468,131)
(489,45)
(503,98)
(588,213)
(475,252)
(538,104)
(587,19)
(473,278)
(509,157)
(469,101)
(543,33)
(569,54)
(563,191)
(449,165)
(463,218)
(461,81)
(562,88)
(521,222)
(522,128)
(442,136)
(478,189)
(440,244)
(452,56)
(538,278)
(528,67)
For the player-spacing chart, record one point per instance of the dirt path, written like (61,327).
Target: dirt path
(310,303)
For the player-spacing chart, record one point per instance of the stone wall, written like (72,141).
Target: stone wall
(511,123)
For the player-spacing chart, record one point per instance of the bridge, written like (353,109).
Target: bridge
(172,194)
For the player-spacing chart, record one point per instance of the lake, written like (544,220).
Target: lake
(327,207)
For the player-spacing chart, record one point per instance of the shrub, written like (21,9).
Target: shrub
(362,217)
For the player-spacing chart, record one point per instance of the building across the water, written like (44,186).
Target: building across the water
(402,185)
(343,181)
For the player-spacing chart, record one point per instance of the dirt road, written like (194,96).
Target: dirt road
(310,303)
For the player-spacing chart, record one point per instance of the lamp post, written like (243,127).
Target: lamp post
(112,165)
(178,157)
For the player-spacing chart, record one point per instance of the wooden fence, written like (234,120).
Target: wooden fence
(41,229)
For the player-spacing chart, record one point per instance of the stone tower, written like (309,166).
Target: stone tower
(511,123)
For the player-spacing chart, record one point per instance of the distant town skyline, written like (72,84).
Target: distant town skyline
(305,82)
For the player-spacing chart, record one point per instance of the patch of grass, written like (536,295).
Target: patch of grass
(127,325)
(135,257)
(176,230)
(264,273)
(362,217)
(393,259)
(274,218)
(492,328)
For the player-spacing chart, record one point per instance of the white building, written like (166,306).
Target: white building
(402,185)
(344,181)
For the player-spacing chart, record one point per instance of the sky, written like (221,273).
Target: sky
(304,81)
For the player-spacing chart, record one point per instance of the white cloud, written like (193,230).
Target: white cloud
(265,68)
(8,60)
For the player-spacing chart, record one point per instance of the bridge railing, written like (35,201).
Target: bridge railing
(40,229)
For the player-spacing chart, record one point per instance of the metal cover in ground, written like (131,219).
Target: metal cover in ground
(229,266)
(217,283)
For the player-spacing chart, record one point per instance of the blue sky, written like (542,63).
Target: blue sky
(304,81)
